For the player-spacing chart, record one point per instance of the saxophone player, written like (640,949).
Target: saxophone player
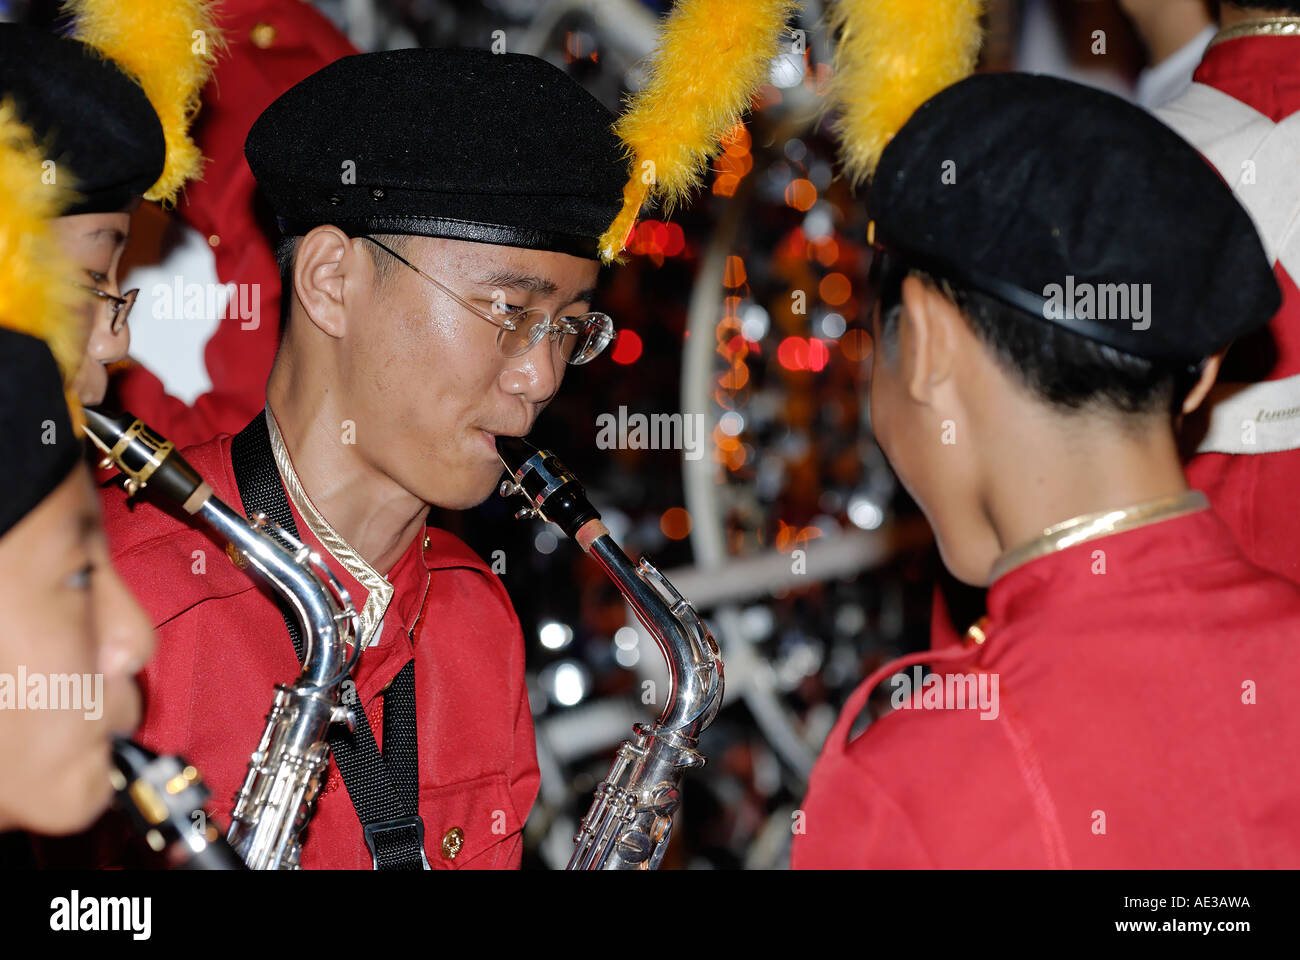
(98,120)
(73,635)
(440,212)
(1127,701)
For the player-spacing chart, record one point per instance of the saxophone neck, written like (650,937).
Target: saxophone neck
(695,681)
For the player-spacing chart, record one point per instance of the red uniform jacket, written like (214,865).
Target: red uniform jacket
(1254,492)
(222,646)
(272,44)
(1146,717)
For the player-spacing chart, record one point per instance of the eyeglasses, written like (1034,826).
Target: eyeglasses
(121,306)
(581,339)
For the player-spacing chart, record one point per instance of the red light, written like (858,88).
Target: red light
(793,353)
(818,355)
(676,241)
(796,353)
(627,347)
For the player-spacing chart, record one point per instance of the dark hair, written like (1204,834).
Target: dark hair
(286,249)
(1069,372)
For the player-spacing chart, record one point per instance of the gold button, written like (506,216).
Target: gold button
(426,541)
(452,841)
(213,240)
(262,35)
(978,632)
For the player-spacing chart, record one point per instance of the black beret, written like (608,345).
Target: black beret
(1049,196)
(87,114)
(35,431)
(459,143)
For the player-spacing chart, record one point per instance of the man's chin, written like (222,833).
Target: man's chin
(466,497)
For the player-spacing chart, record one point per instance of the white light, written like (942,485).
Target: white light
(850,619)
(787,70)
(795,150)
(627,658)
(555,636)
(756,622)
(570,685)
(625,638)
(833,326)
(818,223)
(864,514)
(754,324)
(731,423)
(545,541)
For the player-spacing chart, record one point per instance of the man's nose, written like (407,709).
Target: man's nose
(106,345)
(536,375)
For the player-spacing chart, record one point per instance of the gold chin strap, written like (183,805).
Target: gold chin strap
(1103,523)
(1270,27)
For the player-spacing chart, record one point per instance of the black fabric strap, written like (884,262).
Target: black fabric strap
(385,788)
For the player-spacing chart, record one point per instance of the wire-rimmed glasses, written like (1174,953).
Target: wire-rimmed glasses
(121,306)
(581,339)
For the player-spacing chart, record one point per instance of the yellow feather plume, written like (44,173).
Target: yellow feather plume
(37,296)
(169,46)
(892,56)
(712,56)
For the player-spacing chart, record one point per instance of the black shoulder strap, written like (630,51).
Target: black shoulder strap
(384,787)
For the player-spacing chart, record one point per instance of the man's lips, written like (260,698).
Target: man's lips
(506,432)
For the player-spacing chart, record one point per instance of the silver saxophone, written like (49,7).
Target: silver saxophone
(631,815)
(286,771)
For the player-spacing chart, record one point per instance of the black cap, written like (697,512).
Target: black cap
(1046,194)
(87,114)
(40,448)
(459,143)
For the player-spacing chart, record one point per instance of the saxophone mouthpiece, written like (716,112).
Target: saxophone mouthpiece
(514,452)
(160,797)
(553,493)
(143,456)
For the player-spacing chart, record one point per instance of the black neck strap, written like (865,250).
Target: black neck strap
(385,788)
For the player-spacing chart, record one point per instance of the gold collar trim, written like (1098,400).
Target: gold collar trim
(1103,523)
(379,592)
(1269,27)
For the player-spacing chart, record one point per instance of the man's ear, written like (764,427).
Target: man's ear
(925,338)
(325,261)
(1209,373)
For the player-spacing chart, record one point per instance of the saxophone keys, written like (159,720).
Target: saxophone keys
(634,846)
(344,715)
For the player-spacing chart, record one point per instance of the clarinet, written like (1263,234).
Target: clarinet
(287,769)
(631,816)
